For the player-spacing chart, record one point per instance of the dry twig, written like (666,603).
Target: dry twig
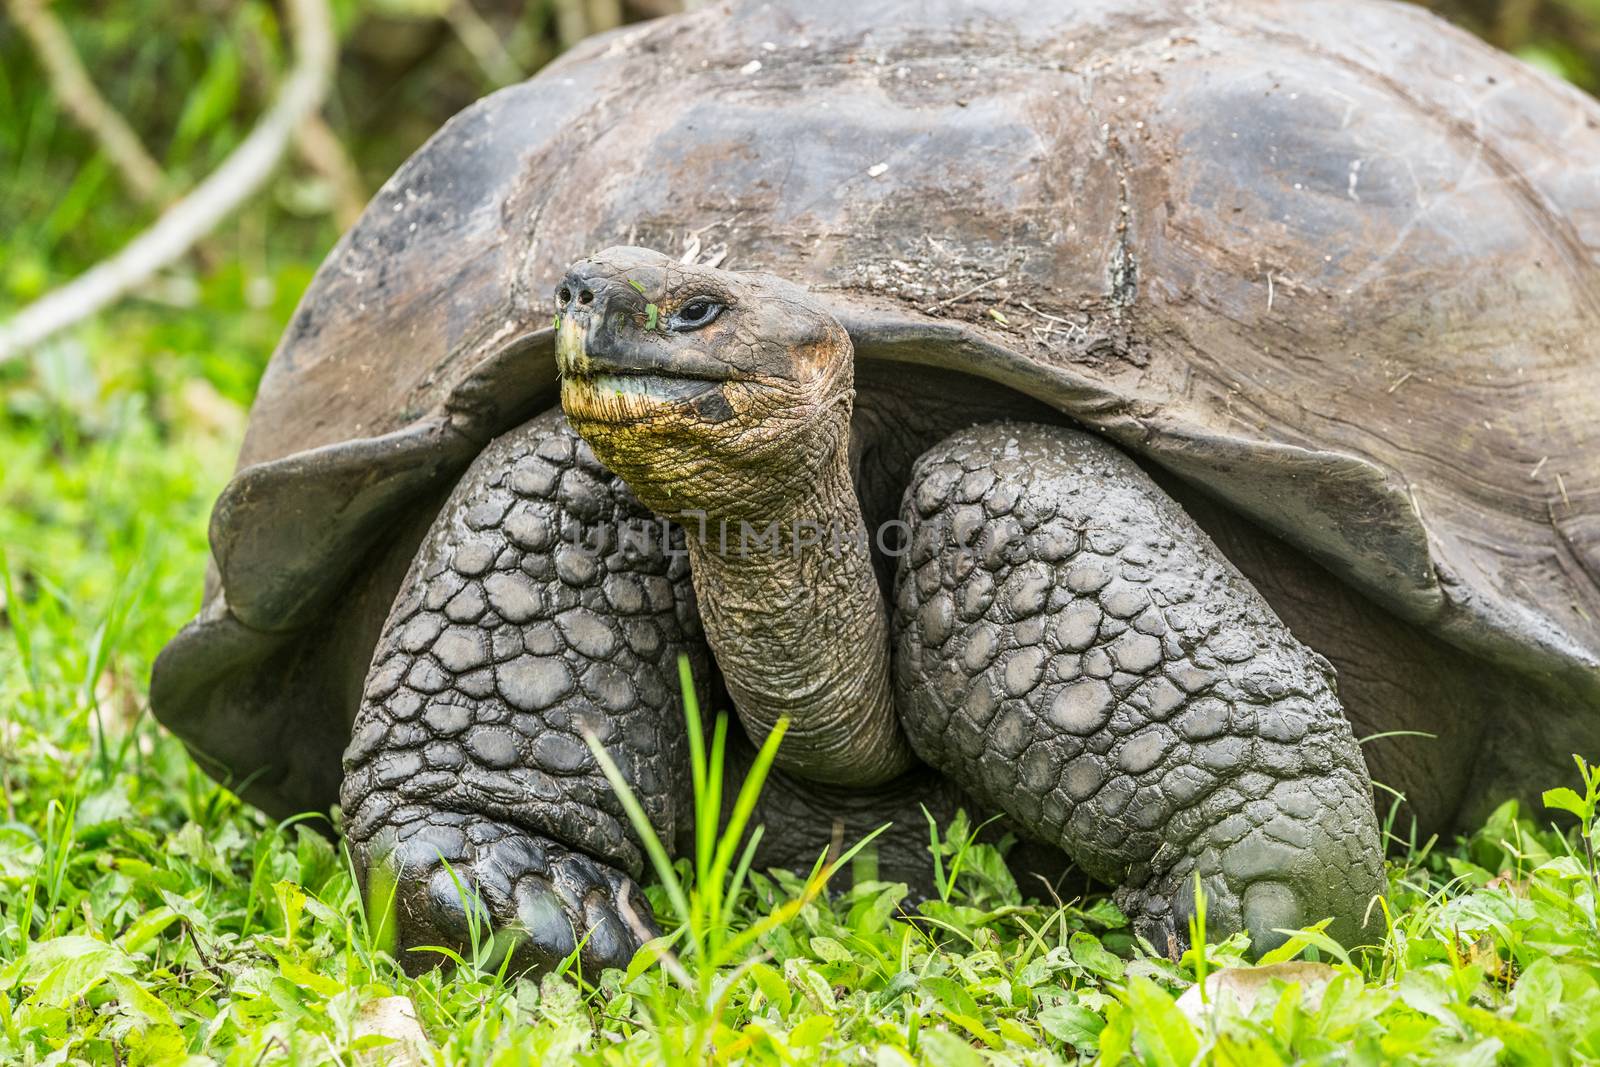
(482,43)
(577,19)
(72,86)
(323,152)
(198,213)
(318,147)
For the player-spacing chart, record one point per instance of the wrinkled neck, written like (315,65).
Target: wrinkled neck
(794,615)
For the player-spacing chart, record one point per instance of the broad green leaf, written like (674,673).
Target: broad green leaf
(944,1049)
(1538,991)
(315,857)
(972,1025)
(303,976)
(162,1045)
(141,872)
(1159,1028)
(1105,914)
(830,950)
(1425,991)
(890,1056)
(874,914)
(1564,799)
(1297,943)
(951,995)
(45,956)
(1093,957)
(1245,1050)
(146,928)
(1521,1041)
(139,1001)
(1016,1033)
(813,1030)
(1244,986)
(291,903)
(1074,1025)
(64,969)
(773,987)
(186,907)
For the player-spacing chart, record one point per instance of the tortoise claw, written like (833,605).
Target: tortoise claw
(485,890)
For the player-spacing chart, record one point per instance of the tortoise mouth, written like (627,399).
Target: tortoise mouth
(645,375)
(636,397)
(588,351)
(632,383)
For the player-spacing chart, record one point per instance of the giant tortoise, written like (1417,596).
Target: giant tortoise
(1138,418)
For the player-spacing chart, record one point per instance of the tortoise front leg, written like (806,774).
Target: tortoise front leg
(1074,651)
(541,607)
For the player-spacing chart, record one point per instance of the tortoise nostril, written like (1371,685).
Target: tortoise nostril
(565,295)
(585,297)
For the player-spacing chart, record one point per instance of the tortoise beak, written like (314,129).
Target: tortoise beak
(611,325)
(571,361)
(593,309)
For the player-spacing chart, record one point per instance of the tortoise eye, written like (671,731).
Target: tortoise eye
(694,314)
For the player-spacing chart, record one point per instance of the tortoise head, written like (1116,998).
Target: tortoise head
(703,389)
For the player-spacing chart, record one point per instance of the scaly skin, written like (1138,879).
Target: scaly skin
(527,620)
(1089,664)
(756,441)
(1106,678)
(1092,667)
(507,642)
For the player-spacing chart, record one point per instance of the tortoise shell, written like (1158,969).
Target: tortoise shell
(1334,263)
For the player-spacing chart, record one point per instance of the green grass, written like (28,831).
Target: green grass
(147,917)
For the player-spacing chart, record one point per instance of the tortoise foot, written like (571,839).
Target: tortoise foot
(525,627)
(485,890)
(1075,652)
(1272,856)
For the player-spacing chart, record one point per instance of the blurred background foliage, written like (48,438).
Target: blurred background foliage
(192,76)
(1562,36)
